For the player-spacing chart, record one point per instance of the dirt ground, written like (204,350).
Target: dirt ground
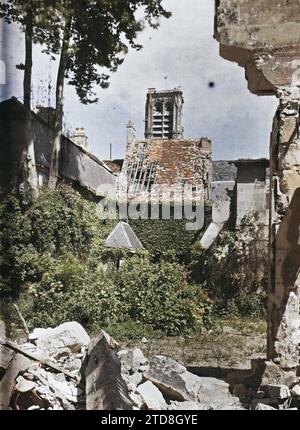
(231,346)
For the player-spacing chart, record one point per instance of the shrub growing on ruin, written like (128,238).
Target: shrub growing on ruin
(234,270)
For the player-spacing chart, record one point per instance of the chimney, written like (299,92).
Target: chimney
(80,138)
(131,134)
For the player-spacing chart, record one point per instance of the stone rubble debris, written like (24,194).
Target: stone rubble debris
(160,383)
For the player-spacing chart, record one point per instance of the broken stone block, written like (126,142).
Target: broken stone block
(34,408)
(266,402)
(184,406)
(18,364)
(295,391)
(132,360)
(134,380)
(37,333)
(68,335)
(216,392)
(173,379)
(265,372)
(176,383)
(23,385)
(151,396)
(61,388)
(105,388)
(262,407)
(280,392)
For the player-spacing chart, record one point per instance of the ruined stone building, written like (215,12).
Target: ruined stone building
(240,193)
(164,162)
(77,166)
(263,36)
(246,182)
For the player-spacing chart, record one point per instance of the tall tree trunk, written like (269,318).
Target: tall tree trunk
(58,122)
(29,185)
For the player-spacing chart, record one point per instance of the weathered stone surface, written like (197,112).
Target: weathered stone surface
(185,406)
(23,385)
(151,396)
(262,407)
(132,360)
(105,387)
(173,379)
(266,402)
(133,380)
(263,37)
(176,383)
(240,391)
(266,372)
(280,392)
(18,364)
(6,356)
(295,391)
(68,335)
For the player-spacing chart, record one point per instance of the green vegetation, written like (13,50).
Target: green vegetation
(169,239)
(233,271)
(53,263)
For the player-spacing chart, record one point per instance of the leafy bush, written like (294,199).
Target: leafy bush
(158,295)
(234,270)
(34,239)
(71,291)
(53,263)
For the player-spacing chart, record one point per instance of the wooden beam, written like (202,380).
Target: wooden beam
(14,347)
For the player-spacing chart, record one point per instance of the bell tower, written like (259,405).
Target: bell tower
(163,115)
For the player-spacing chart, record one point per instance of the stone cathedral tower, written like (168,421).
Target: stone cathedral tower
(163,115)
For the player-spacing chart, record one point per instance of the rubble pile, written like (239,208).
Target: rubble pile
(268,387)
(51,380)
(63,369)
(163,384)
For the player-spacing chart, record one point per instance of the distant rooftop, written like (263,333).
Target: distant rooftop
(114,165)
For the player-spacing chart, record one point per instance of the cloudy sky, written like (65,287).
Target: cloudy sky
(183,48)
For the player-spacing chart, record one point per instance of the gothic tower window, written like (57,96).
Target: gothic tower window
(164,114)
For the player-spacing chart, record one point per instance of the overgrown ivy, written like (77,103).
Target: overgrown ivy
(55,266)
(169,238)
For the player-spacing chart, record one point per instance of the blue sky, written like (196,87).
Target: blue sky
(183,48)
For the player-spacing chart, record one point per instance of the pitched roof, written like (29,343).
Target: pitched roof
(123,237)
(114,165)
